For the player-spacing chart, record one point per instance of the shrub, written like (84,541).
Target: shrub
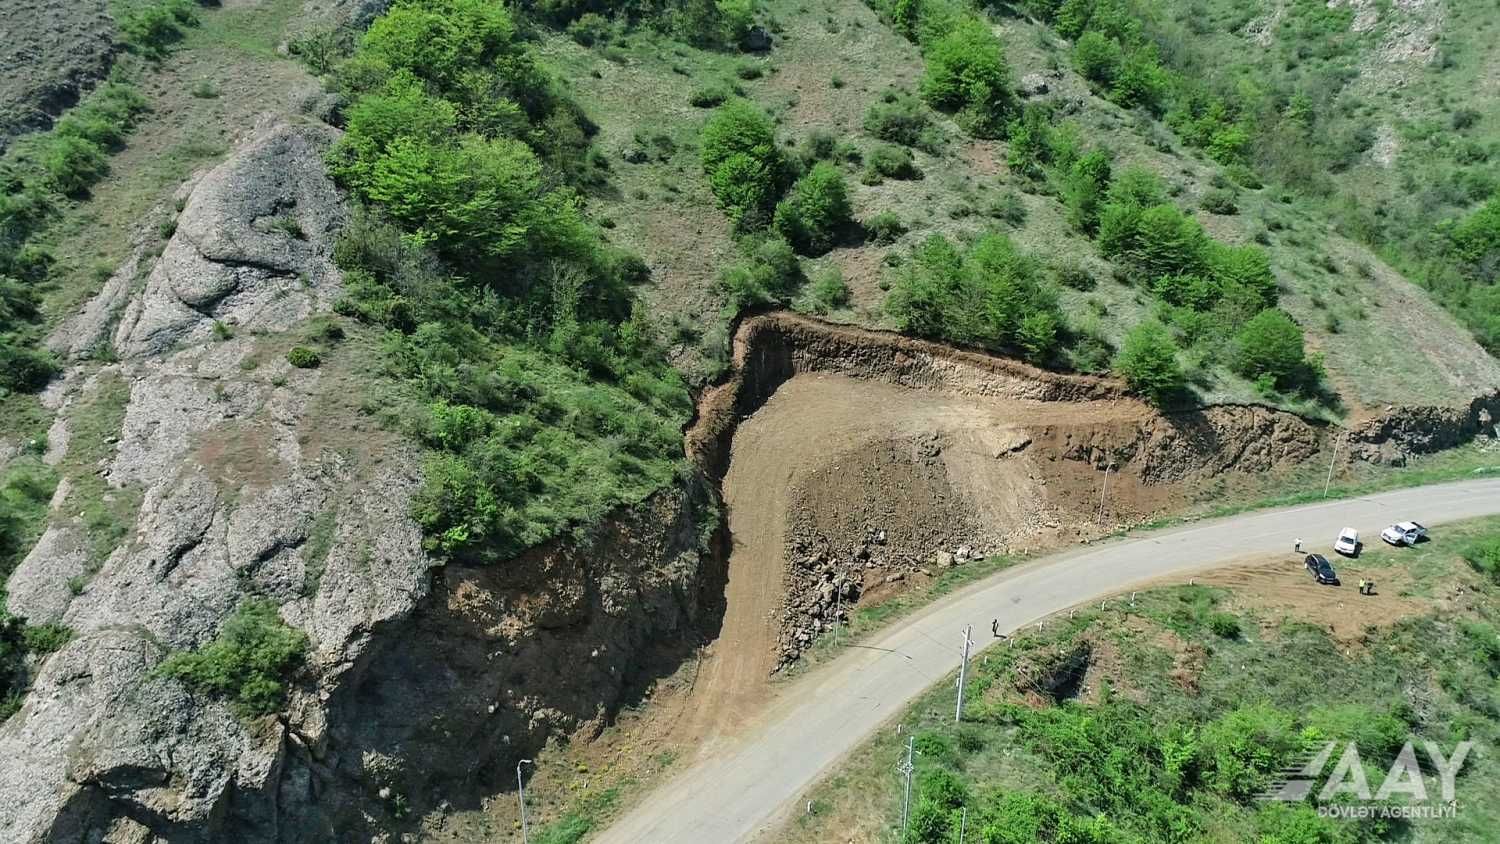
(769,274)
(1219,202)
(897,117)
(73,164)
(150,29)
(906,17)
(1270,345)
(47,638)
(249,662)
(815,211)
(819,145)
(591,28)
(885,227)
(1072,273)
(1142,81)
(1483,554)
(1083,187)
(710,96)
(1148,362)
(24,368)
(967,74)
(303,358)
(1224,625)
(826,292)
(1008,208)
(1244,748)
(891,162)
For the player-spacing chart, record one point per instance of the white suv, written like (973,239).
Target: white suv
(1404,533)
(1348,542)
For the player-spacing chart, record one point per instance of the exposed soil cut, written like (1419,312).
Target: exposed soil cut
(854,462)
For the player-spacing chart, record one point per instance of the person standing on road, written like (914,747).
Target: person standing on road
(995,627)
(1297,546)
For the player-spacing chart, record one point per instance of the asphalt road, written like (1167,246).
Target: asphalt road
(740,789)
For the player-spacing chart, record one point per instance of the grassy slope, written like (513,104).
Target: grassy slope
(1392,343)
(1295,666)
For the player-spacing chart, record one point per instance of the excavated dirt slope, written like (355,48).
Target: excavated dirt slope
(855,461)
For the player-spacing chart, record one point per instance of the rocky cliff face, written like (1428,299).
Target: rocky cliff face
(234,475)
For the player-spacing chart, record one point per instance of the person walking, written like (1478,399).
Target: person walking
(1297,546)
(995,627)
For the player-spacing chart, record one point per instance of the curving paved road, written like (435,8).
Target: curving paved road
(739,789)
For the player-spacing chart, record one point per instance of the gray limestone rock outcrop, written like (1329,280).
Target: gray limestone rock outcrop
(253,246)
(243,491)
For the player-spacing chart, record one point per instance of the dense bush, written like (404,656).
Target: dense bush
(826,292)
(1483,554)
(152,27)
(745,168)
(1098,58)
(25,490)
(967,75)
(1270,346)
(35,174)
(991,295)
(1148,362)
(885,227)
(768,274)
(815,211)
(303,358)
(249,662)
(900,118)
(887,161)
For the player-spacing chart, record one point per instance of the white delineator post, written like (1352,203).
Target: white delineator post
(963,672)
(906,768)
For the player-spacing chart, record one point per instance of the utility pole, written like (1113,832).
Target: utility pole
(521,795)
(906,768)
(1329,480)
(963,825)
(1104,490)
(963,672)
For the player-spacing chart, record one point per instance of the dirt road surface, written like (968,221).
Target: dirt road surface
(741,790)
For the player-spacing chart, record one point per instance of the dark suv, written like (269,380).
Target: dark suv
(1321,570)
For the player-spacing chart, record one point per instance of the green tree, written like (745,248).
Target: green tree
(1141,80)
(1270,345)
(1148,362)
(993,296)
(744,167)
(401,108)
(816,210)
(1098,58)
(967,74)
(1083,189)
(906,17)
